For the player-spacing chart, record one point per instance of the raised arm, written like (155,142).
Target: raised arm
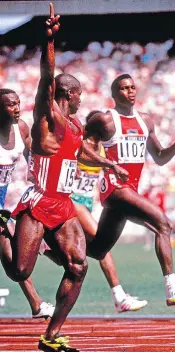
(45,94)
(160,155)
(43,138)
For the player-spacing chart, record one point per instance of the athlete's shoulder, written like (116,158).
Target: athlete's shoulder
(147,119)
(100,118)
(98,125)
(144,115)
(25,133)
(23,127)
(78,123)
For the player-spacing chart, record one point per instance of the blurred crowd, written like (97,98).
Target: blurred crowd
(96,67)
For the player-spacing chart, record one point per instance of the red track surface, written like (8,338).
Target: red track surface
(93,335)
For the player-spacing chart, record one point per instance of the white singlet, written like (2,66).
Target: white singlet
(9,158)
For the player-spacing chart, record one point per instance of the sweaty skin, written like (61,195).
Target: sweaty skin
(125,203)
(9,117)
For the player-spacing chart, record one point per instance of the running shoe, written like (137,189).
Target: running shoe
(129,295)
(130,304)
(46,310)
(170,295)
(58,344)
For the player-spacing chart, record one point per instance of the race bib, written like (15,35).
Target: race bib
(6,173)
(85,184)
(131,149)
(67,176)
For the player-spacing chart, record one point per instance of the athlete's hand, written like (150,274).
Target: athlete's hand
(52,23)
(78,174)
(121,174)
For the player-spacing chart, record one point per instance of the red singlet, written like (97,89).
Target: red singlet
(49,200)
(127,147)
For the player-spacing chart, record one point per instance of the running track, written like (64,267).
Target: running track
(93,335)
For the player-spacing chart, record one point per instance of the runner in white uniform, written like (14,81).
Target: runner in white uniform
(8,161)
(14,141)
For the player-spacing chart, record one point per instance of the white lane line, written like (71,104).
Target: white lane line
(123,346)
(157,337)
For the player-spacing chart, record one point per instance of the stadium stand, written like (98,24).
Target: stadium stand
(96,67)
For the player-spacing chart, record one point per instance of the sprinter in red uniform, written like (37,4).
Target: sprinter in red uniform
(125,134)
(47,205)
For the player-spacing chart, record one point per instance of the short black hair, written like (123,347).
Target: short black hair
(6,91)
(63,83)
(92,113)
(116,81)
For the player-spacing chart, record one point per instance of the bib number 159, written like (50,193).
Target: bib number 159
(67,176)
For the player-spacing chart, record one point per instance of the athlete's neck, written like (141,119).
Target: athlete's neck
(124,110)
(64,107)
(5,128)
(5,132)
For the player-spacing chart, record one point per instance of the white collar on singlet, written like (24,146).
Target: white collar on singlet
(118,127)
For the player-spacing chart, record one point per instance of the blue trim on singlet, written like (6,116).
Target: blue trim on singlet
(3,192)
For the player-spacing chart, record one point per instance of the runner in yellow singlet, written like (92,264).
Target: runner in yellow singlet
(85,186)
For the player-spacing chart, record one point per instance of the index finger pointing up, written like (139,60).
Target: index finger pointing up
(51,10)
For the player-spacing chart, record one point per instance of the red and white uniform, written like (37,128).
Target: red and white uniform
(49,200)
(127,146)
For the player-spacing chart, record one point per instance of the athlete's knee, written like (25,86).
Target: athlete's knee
(99,255)
(96,252)
(20,273)
(78,269)
(165,227)
(14,273)
(7,267)
(170,226)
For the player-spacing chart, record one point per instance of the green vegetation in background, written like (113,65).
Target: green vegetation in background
(139,272)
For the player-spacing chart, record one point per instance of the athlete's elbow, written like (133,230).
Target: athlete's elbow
(94,252)
(160,162)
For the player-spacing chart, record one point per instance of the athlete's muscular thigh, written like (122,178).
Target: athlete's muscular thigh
(71,245)
(137,208)
(26,243)
(110,227)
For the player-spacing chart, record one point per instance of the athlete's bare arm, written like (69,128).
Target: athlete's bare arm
(160,155)
(100,126)
(25,134)
(44,140)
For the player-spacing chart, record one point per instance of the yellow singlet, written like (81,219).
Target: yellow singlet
(92,169)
